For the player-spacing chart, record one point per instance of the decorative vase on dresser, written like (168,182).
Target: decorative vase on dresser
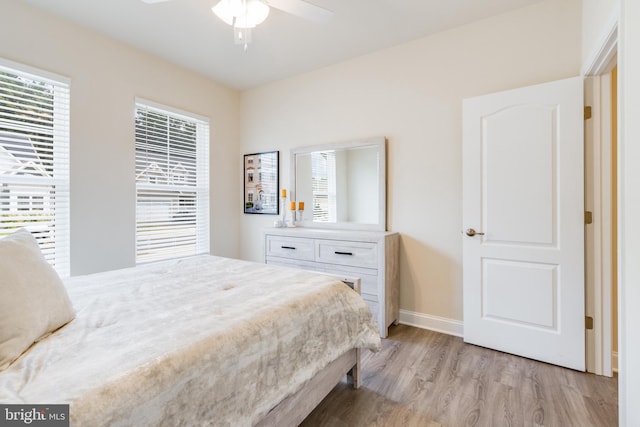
(371,256)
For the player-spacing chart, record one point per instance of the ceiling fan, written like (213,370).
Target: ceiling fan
(298,8)
(243,15)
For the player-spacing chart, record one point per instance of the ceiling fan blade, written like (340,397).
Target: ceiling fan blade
(302,9)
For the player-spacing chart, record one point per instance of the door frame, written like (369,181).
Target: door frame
(598,199)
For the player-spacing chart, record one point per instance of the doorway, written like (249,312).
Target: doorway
(601,201)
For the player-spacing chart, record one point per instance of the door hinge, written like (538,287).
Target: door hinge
(588,322)
(588,217)
(587,112)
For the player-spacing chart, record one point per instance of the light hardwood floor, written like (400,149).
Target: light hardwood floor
(423,378)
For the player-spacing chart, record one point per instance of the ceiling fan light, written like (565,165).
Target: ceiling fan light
(236,7)
(257,10)
(241,13)
(224,11)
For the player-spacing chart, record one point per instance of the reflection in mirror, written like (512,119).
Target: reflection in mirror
(342,185)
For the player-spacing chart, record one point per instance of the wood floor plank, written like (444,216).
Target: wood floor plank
(423,378)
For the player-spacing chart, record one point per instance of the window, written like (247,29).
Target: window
(172,183)
(34,158)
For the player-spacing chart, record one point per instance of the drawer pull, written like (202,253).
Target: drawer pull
(343,253)
(288,247)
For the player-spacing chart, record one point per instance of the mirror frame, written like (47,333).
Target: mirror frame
(381,144)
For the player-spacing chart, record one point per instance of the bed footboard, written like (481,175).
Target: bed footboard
(295,408)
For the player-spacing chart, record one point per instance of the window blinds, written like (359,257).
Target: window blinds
(172,183)
(34,158)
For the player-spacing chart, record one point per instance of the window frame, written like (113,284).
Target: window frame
(55,242)
(201,189)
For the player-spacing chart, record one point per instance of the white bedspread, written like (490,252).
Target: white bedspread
(198,341)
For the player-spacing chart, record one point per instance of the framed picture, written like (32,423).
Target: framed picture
(261,183)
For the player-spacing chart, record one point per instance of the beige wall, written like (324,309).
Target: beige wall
(412,94)
(105,78)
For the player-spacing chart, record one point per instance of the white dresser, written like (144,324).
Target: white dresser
(371,256)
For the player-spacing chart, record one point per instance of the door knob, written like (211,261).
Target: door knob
(471,232)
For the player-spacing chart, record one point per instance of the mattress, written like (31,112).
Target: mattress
(196,341)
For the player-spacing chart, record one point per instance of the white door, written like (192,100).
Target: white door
(523,270)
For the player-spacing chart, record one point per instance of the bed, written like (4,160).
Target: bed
(196,341)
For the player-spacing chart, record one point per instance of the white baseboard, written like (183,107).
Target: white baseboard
(433,323)
(614,361)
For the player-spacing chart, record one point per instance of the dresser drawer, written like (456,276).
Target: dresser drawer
(290,247)
(368,280)
(356,254)
(369,287)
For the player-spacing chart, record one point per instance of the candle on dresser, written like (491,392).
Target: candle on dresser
(292,208)
(283,194)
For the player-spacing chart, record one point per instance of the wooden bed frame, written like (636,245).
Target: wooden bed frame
(295,408)
(287,410)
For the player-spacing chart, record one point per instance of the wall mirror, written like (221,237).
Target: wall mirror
(342,185)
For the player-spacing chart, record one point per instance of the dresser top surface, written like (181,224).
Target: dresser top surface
(322,233)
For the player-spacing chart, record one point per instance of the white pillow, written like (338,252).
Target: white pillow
(33,299)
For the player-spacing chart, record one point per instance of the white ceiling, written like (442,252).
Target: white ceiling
(186,32)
